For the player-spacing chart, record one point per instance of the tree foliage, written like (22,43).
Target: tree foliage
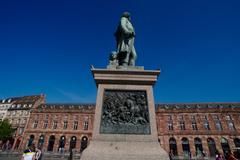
(6,130)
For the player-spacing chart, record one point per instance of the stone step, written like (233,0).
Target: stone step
(46,156)
(10,156)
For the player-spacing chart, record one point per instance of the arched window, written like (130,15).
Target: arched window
(225,146)
(51,142)
(237,142)
(84,143)
(173,146)
(31,139)
(62,144)
(41,141)
(212,147)
(198,146)
(73,142)
(185,147)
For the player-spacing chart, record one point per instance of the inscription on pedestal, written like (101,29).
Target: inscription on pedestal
(125,112)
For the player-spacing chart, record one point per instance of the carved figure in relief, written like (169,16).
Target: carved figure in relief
(125,108)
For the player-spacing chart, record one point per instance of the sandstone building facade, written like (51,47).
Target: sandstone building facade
(184,129)
(60,127)
(193,129)
(17,111)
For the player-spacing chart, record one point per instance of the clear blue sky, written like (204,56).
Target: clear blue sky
(48,46)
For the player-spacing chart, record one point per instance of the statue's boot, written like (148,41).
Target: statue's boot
(132,62)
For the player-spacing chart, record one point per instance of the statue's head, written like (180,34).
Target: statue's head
(126,15)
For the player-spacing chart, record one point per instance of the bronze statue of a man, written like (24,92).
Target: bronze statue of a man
(125,36)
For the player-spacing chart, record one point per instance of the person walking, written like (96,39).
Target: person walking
(219,156)
(38,154)
(29,154)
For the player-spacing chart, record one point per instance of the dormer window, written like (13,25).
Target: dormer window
(30,105)
(19,105)
(9,101)
(24,106)
(3,101)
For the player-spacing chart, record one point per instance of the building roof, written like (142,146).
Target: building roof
(160,106)
(198,106)
(6,101)
(68,107)
(25,102)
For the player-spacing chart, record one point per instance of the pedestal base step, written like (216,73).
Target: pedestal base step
(99,150)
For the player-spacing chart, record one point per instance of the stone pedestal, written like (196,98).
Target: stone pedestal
(125,121)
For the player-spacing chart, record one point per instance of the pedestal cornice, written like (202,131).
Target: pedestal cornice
(131,77)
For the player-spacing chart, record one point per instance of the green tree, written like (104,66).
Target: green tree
(6,130)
